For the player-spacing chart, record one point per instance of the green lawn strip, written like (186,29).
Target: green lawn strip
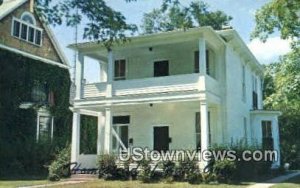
(138,184)
(18,183)
(291,183)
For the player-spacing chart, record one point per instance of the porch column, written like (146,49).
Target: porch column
(202,56)
(100,133)
(75,137)
(204,126)
(79,76)
(108,127)
(276,143)
(110,73)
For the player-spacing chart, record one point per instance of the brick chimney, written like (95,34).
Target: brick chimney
(31,6)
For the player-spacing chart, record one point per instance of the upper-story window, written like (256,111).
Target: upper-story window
(254,93)
(26,29)
(120,69)
(209,63)
(243,83)
(161,68)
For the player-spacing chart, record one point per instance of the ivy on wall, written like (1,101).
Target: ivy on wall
(19,152)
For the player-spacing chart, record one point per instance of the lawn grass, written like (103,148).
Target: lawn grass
(18,183)
(138,184)
(291,183)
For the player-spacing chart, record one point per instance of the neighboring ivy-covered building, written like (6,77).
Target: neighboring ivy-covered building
(34,91)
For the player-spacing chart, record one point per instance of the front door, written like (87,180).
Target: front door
(161,138)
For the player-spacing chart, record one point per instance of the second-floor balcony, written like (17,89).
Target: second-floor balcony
(156,85)
(175,64)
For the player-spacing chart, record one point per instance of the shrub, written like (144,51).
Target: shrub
(145,173)
(224,170)
(60,166)
(187,171)
(239,169)
(168,168)
(107,167)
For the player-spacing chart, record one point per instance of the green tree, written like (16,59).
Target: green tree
(282,92)
(173,15)
(279,15)
(102,23)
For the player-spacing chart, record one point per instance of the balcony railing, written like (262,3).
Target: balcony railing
(154,85)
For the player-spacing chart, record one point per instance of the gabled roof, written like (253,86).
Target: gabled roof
(9,6)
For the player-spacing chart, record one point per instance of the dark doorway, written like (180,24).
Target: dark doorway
(161,138)
(161,68)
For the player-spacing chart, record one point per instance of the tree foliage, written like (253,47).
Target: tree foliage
(282,92)
(279,15)
(173,15)
(102,23)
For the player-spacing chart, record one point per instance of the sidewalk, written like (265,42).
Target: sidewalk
(273,181)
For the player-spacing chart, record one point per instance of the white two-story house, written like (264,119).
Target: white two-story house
(175,90)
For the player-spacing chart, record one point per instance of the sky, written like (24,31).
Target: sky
(242,11)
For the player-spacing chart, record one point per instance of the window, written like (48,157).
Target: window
(120,126)
(208,71)
(40,92)
(28,17)
(267,139)
(198,130)
(266,129)
(120,69)
(16,29)
(245,130)
(254,93)
(196,62)
(209,130)
(45,128)
(25,29)
(243,83)
(161,68)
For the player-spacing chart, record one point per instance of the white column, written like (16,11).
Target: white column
(204,126)
(108,127)
(110,73)
(202,56)
(75,137)
(79,76)
(100,135)
(276,141)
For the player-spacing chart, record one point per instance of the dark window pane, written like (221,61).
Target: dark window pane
(38,37)
(121,119)
(120,68)
(198,131)
(124,135)
(31,34)
(16,29)
(196,62)
(24,32)
(161,68)
(207,62)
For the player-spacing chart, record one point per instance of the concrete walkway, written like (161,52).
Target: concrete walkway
(273,181)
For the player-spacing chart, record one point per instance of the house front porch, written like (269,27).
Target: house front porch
(161,126)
